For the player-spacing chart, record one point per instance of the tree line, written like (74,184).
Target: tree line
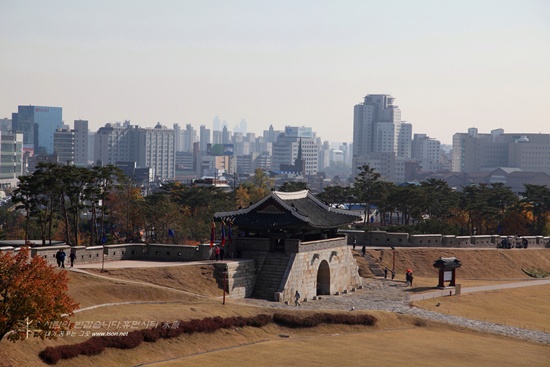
(93,206)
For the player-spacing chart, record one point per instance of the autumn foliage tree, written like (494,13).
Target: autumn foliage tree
(32,297)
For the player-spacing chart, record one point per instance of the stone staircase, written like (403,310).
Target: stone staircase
(374,267)
(270,276)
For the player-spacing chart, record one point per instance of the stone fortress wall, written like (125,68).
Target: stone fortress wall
(315,267)
(391,239)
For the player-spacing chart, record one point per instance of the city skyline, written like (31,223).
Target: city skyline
(450,66)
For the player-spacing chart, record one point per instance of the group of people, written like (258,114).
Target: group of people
(386,271)
(516,241)
(60,256)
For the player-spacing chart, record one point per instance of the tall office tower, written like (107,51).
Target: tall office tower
(5,125)
(38,124)
(377,128)
(63,146)
(81,143)
(427,152)
(324,156)
(189,138)
(179,137)
(241,127)
(286,148)
(204,138)
(216,137)
(216,124)
(226,136)
(11,158)
(269,135)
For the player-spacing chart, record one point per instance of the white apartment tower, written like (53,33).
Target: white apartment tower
(377,128)
(285,149)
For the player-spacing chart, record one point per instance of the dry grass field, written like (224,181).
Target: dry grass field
(189,292)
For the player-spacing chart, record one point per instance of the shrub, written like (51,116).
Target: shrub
(95,345)
(130,341)
(259,320)
(50,355)
(323,318)
(92,346)
(151,335)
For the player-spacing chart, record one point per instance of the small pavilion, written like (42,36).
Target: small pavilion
(447,270)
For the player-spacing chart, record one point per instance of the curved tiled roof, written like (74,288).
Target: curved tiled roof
(288,209)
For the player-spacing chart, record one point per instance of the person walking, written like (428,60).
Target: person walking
(217,253)
(72,257)
(392,274)
(411,279)
(58,258)
(364,250)
(354,242)
(386,272)
(62,256)
(297,299)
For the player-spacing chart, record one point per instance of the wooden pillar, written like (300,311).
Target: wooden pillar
(453,283)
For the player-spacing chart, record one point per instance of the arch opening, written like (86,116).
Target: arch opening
(323,279)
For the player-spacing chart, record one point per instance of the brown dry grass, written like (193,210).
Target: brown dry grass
(527,308)
(422,347)
(397,338)
(476,263)
(197,279)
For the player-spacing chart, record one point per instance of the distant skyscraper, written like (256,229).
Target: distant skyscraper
(81,142)
(38,125)
(5,125)
(216,124)
(189,138)
(63,143)
(377,128)
(179,137)
(204,138)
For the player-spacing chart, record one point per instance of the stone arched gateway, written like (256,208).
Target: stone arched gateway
(323,278)
(294,241)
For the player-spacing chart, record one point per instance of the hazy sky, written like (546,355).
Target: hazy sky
(450,64)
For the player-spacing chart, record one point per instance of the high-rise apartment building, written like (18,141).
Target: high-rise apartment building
(379,131)
(285,149)
(149,147)
(427,152)
(81,143)
(38,125)
(156,149)
(63,145)
(11,158)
